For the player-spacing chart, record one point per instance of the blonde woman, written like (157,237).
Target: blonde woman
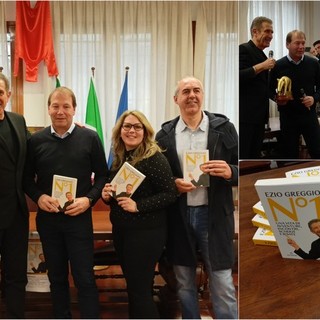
(139,222)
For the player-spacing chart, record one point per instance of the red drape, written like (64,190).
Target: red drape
(34,39)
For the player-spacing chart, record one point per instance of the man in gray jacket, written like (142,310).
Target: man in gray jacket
(202,217)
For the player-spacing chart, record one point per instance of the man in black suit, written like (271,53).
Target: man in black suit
(69,201)
(14,214)
(203,179)
(42,266)
(314,253)
(253,88)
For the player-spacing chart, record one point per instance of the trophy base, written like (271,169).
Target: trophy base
(283,99)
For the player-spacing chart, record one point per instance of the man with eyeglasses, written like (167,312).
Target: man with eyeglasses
(202,217)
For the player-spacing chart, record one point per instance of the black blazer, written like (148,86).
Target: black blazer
(253,89)
(11,191)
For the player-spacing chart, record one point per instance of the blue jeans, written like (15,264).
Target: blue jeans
(221,285)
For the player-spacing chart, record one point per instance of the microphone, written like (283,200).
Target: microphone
(270,56)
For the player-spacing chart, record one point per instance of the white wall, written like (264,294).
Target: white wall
(35,102)
(316,22)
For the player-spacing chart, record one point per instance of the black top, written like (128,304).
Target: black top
(78,156)
(305,75)
(156,192)
(13,148)
(314,253)
(253,88)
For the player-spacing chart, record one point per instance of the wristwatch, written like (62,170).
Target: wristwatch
(90,201)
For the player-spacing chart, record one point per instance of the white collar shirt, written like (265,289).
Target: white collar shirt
(67,133)
(188,139)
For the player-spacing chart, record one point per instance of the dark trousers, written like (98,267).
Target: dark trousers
(65,239)
(14,251)
(250,140)
(294,125)
(139,250)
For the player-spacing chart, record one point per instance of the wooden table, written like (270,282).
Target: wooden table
(101,225)
(270,286)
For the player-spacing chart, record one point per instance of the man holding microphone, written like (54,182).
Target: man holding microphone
(254,68)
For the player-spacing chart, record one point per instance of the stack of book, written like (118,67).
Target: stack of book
(287,209)
(263,234)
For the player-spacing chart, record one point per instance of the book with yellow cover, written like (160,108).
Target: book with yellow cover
(264,237)
(291,204)
(192,172)
(38,280)
(126,181)
(258,209)
(260,222)
(64,189)
(304,172)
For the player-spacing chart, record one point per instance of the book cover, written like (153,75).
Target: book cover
(258,209)
(290,204)
(64,189)
(126,181)
(264,237)
(260,222)
(192,162)
(304,172)
(37,270)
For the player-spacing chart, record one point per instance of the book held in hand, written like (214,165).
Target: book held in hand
(64,189)
(126,181)
(290,204)
(192,162)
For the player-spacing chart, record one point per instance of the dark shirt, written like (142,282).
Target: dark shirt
(66,204)
(253,88)
(123,194)
(203,181)
(42,268)
(305,75)
(314,252)
(154,194)
(47,156)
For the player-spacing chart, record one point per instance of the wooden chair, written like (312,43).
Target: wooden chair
(106,256)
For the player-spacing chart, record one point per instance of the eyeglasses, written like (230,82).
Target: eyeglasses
(128,126)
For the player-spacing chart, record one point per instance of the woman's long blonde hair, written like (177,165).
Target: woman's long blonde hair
(147,148)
